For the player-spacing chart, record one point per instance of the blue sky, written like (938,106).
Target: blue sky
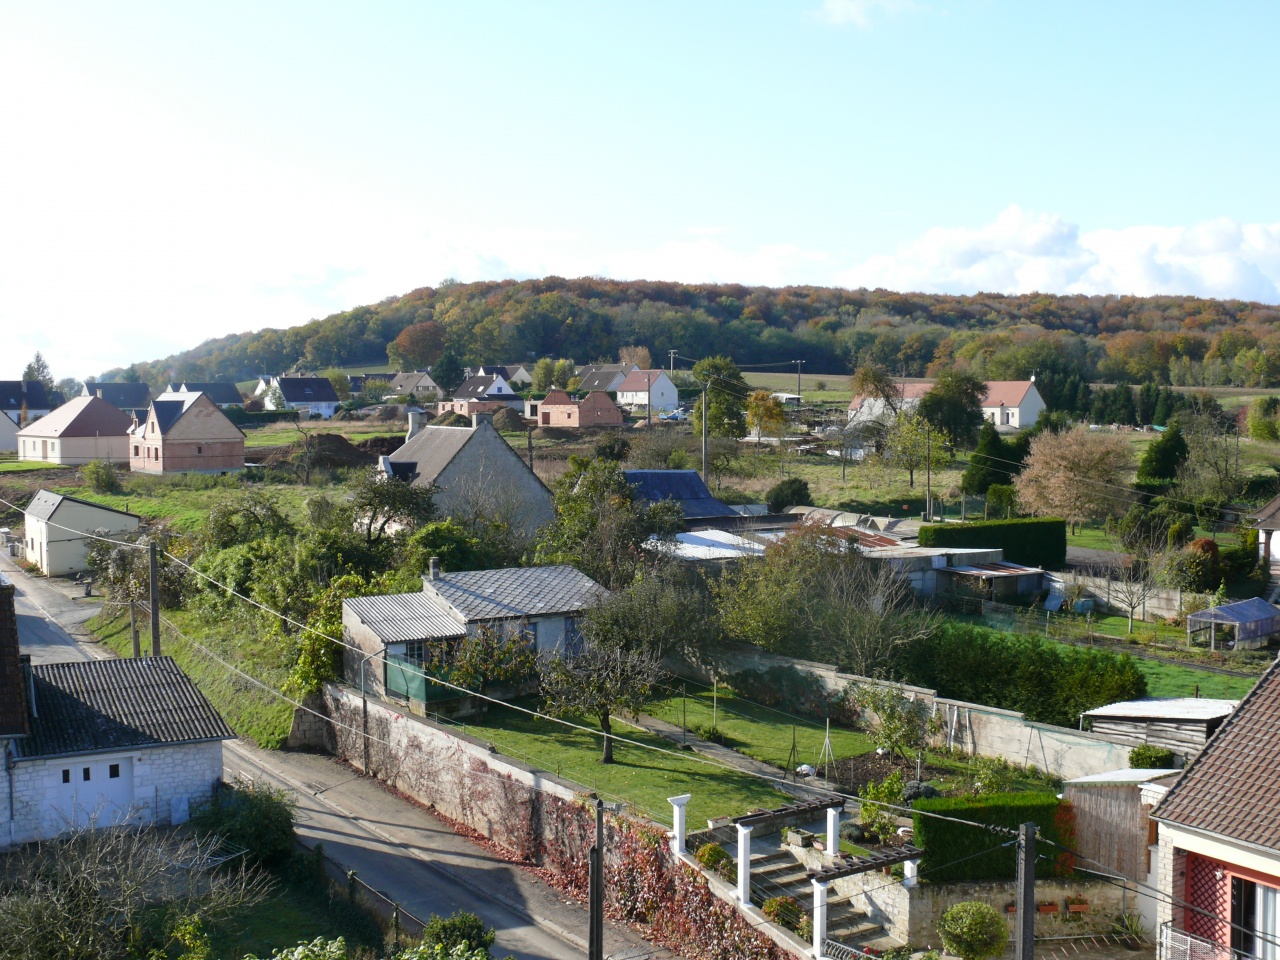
(187,170)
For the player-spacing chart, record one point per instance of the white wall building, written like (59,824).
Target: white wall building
(1012,404)
(51,536)
(78,432)
(651,388)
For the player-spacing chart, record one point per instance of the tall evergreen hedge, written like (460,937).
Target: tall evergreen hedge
(1034,541)
(955,851)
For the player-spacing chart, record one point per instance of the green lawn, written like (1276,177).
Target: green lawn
(252,712)
(641,777)
(22,466)
(1114,625)
(1167,680)
(757,731)
(186,508)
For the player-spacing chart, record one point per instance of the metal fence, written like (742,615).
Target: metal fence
(1177,944)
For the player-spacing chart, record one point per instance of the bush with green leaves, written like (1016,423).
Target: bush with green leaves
(712,855)
(257,817)
(458,929)
(1150,757)
(101,475)
(877,813)
(791,492)
(973,930)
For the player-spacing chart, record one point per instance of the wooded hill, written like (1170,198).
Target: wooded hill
(1166,339)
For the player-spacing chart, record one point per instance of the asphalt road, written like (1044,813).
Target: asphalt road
(40,608)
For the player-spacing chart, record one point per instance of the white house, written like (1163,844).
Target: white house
(418,630)
(648,387)
(52,524)
(867,409)
(310,396)
(82,430)
(1012,404)
(485,387)
(99,743)
(17,395)
(604,376)
(8,435)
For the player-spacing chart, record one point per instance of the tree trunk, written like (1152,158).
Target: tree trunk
(607,728)
(1131,619)
(911,477)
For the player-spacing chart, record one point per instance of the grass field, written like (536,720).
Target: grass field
(292,914)
(280,434)
(1167,680)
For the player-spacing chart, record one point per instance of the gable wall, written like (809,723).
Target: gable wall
(488,477)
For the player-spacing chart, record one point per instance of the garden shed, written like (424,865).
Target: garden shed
(1253,622)
(1181,724)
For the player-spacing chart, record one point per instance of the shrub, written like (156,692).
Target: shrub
(1034,541)
(258,818)
(958,852)
(705,731)
(876,818)
(712,855)
(784,911)
(102,476)
(458,929)
(791,492)
(1151,757)
(973,930)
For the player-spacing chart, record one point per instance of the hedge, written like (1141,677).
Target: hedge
(1034,541)
(946,843)
(243,418)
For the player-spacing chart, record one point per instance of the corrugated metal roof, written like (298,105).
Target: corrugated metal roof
(988,571)
(1121,778)
(100,705)
(1253,610)
(1173,708)
(706,545)
(517,592)
(406,616)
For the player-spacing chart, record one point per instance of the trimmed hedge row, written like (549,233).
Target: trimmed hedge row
(1033,541)
(946,844)
(243,418)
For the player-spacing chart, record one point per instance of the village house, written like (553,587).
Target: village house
(865,410)
(78,432)
(420,630)
(605,377)
(8,435)
(52,525)
(558,409)
(225,394)
(19,396)
(1219,839)
(99,743)
(130,398)
(650,389)
(474,473)
(481,394)
(519,375)
(417,383)
(309,396)
(1012,404)
(185,433)
(685,487)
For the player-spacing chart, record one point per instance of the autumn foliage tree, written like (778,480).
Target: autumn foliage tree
(418,345)
(1075,474)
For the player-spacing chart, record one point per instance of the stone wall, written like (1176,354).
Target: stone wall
(1163,602)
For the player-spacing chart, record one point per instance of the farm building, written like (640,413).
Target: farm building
(1182,724)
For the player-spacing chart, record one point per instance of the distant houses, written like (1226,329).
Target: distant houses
(417,384)
(19,397)
(558,409)
(185,433)
(309,396)
(606,377)
(648,389)
(474,472)
(1009,404)
(225,394)
(80,431)
(52,531)
(130,398)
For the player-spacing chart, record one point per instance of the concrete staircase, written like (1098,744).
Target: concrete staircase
(781,874)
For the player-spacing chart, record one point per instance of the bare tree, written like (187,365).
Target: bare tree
(1144,538)
(93,894)
(1075,474)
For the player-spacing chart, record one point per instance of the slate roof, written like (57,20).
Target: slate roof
(430,451)
(169,412)
(686,487)
(124,396)
(14,392)
(516,592)
(45,504)
(475,388)
(217,391)
(495,370)
(406,616)
(605,379)
(82,417)
(101,705)
(409,382)
(1232,788)
(1268,518)
(307,390)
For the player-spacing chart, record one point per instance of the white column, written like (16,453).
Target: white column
(744,865)
(819,916)
(833,830)
(910,870)
(678,822)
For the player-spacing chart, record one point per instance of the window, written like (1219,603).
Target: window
(572,636)
(113,771)
(85,774)
(199,449)
(135,449)
(66,776)
(1253,915)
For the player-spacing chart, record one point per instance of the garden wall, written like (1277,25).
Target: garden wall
(1162,602)
(968,727)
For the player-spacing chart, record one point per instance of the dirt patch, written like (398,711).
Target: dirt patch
(380,446)
(554,433)
(508,421)
(854,773)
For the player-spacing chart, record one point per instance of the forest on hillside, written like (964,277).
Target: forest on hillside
(1065,340)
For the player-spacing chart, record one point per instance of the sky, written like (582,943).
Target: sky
(171,172)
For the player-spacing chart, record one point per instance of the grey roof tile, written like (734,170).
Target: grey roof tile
(102,705)
(517,592)
(686,487)
(45,504)
(406,616)
(431,450)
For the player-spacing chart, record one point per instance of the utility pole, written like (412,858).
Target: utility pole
(133,629)
(155,601)
(529,435)
(595,891)
(928,472)
(672,355)
(1025,927)
(648,400)
(706,412)
(798,362)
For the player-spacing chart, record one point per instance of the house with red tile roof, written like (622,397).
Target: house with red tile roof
(1012,404)
(1218,857)
(558,409)
(84,429)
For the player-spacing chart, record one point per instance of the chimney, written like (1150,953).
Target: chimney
(415,424)
(434,567)
(13,674)
(478,418)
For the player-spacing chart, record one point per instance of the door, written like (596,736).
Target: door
(44,449)
(91,792)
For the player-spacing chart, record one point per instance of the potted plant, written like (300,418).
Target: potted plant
(1077,904)
(1046,906)
(1011,907)
(1128,927)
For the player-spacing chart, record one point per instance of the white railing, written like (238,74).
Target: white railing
(1177,944)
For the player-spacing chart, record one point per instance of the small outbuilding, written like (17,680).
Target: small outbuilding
(1249,623)
(1181,724)
(685,487)
(52,528)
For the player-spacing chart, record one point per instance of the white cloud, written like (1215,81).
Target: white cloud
(861,12)
(1021,251)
